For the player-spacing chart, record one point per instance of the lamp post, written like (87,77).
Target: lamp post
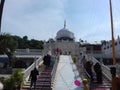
(1,11)
(112,32)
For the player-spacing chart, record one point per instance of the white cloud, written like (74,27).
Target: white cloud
(36,18)
(41,19)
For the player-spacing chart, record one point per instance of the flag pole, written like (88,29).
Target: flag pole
(112,32)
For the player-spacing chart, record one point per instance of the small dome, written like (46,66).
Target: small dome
(65,34)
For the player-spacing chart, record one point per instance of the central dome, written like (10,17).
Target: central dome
(65,34)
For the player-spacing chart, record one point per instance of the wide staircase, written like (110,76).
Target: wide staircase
(45,77)
(43,82)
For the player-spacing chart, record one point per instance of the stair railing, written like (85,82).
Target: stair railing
(105,69)
(26,72)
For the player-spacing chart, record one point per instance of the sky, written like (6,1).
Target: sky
(41,19)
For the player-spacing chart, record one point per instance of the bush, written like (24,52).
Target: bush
(74,59)
(14,82)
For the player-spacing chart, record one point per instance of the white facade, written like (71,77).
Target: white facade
(65,47)
(107,47)
(65,42)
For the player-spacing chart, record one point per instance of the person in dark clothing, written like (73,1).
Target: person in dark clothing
(88,67)
(98,71)
(33,77)
(47,60)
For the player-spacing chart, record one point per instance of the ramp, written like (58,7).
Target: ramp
(66,74)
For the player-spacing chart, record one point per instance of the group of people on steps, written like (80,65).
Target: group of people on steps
(95,71)
(34,73)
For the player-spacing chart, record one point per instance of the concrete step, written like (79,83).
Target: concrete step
(43,82)
(44,76)
(38,85)
(42,79)
(45,73)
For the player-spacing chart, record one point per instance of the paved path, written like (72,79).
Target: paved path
(66,74)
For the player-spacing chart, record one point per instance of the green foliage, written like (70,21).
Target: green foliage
(57,58)
(13,42)
(14,82)
(74,58)
(24,43)
(36,44)
(7,42)
(25,38)
(7,46)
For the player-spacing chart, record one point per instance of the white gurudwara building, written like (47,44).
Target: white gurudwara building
(64,43)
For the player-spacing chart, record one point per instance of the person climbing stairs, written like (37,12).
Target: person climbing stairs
(43,82)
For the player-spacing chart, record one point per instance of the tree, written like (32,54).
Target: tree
(7,46)
(35,44)
(25,38)
(24,43)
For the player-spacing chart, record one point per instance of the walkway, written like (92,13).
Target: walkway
(66,74)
